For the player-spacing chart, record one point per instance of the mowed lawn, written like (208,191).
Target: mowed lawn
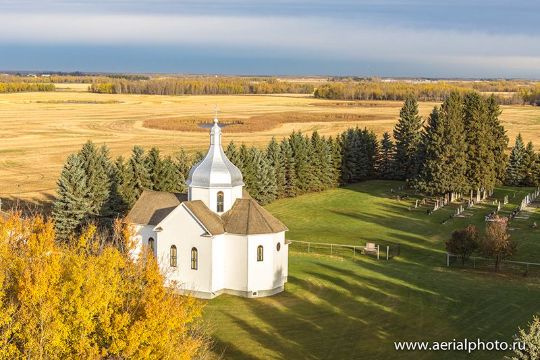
(335,308)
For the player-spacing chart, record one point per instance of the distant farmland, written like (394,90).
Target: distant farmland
(38,130)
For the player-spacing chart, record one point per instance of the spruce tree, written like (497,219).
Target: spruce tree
(72,203)
(407,136)
(233,153)
(516,171)
(289,168)
(320,162)
(499,139)
(183,165)
(153,165)
(480,159)
(385,164)
(443,150)
(122,196)
(139,178)
(301,149)
(261,179)
(335,154)
(169,176)
(274,156)
(97,166)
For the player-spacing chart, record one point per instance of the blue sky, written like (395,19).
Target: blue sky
(281,37)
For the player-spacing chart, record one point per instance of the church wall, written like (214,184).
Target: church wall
(209,196)
(142,234)
(266,274)
(235,263)
(183,231)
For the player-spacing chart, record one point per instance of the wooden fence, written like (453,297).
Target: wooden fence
(379,251)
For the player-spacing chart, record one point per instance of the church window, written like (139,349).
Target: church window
(194,259)
(220,201)
(174,257)
(260,253)
(152,245)
(278,246)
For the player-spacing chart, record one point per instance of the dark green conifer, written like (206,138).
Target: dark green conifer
(407,136)
(274,156)
(72,204)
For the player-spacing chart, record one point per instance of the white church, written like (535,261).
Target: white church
(216,239)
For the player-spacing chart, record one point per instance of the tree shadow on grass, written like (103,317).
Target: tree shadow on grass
(356,310)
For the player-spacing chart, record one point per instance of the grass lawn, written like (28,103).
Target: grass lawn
(336,308)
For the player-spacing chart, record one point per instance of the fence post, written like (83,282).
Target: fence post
(330,249)
(447,259)
(354,252)
(308,244)
(378,252)
(387,251)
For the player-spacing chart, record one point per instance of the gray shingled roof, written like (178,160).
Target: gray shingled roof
(247,217)
(210,220)
(154,206)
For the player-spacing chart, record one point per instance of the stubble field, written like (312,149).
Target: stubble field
(39,130)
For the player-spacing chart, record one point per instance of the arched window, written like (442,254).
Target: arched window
(194,259)
(220,201)
(152,245)
(174,257)
(260,253)
(278,246)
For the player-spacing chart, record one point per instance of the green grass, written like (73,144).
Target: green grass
(336,308)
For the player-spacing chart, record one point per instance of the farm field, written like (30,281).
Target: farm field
(336,308)
(39,130)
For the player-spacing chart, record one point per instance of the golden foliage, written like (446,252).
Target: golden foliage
(88,300)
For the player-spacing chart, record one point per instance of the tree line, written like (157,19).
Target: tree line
(373,89)
(200,86)
(10,87)
(460,148)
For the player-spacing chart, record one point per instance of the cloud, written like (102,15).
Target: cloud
(327,38)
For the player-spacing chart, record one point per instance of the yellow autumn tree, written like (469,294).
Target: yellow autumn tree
(88,299)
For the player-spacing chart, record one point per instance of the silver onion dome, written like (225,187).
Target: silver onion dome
(215,170)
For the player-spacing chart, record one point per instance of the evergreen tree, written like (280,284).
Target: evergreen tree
(480,158)
(349,154)
(407,137)
(260,178)
(335,154)
(530,161)
(72,203)
(516,170)
(139,178)
(122,196)
(289,168)
(499,139)
(320,162)
(170,178)
(301,149)
(153,165)
(443,150)
(274,156)
(97,166)
(183,165)
(386,159)
(233,153)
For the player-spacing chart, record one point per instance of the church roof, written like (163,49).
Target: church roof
(247,217)
(209,219)
(215,170)
(154,206)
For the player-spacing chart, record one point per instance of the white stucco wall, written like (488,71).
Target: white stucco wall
(272,271)
(140,239)
(183,231)
(209,196)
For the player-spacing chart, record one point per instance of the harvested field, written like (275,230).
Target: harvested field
(39,130)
